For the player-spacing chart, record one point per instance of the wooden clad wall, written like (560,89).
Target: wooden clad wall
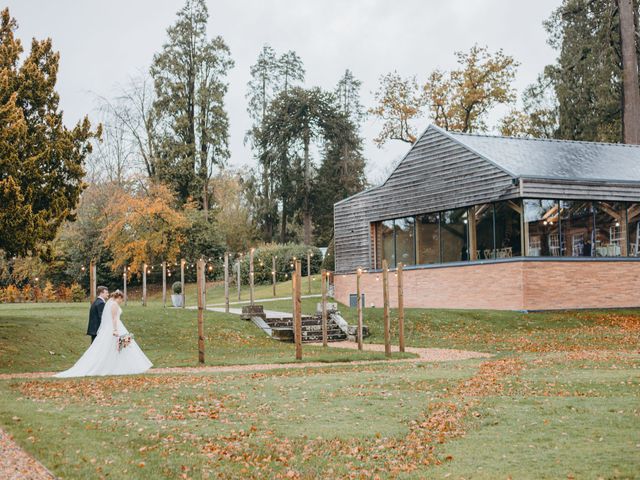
(573,190)
(437,174)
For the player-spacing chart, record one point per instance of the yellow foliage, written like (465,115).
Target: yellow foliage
(144,228)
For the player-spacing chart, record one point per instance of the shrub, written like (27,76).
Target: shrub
(11,294)
(176,288)
(64,294)
(49,293)
(27,293)
(37,294)
(77,293)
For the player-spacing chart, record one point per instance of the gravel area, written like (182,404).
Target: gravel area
(16,464)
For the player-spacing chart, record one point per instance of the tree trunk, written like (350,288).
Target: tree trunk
(283,227)
(631,89)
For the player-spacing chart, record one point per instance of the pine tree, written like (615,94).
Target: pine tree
(190,83)
(41,160)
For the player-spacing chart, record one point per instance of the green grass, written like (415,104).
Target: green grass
(51,337)
(559,400)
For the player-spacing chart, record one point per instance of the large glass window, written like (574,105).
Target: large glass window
(405,241)
(508,225)
(610,229)
(388,247)
(481,241)
(453,235)
(541,228)
(576,223)
(428,238)
(633,228)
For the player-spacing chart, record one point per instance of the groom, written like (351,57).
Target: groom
(95,313)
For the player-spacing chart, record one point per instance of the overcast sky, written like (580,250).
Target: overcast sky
(104,42)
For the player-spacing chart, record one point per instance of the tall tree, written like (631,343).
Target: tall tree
(263,86)
(190,83)
(587,75)
(461,99)
(41,160)
(399,102)
(295,123)
(631,89)
(348,96)
(291,70)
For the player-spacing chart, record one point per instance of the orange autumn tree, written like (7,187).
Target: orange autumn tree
(144,227)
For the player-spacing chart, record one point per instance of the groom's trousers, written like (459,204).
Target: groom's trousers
(93,337)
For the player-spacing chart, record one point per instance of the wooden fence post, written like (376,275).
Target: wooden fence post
(184,296)
(239,280)
(251,273)
(385,296)
(273,274)
(359,307)
(124,282)
(323,280)
(400,308)
(297,321)
(92,281)
(144,284)
(309,255)
(201,303)
(164,284)
(226,282)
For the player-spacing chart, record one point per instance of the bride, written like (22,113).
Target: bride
(104,357)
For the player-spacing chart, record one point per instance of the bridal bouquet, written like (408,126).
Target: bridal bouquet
(124,341)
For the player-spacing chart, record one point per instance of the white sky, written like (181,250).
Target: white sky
(104,42)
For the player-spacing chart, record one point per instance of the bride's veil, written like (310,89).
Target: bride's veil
(106,316)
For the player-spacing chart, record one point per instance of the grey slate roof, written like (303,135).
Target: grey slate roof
(556,159)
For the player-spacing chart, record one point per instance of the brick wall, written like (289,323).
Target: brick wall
(526,285)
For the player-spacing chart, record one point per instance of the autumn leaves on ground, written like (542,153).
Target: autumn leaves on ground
(559,399)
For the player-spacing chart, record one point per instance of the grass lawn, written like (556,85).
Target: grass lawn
(560,399)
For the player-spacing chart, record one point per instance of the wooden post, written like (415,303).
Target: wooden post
(226,282)
(164,284)
(239,279)
(201,303)
(359,307)
(92,281)
(297,320)
(273,274)
(124,284)
(400,308)
(182,262)
(251,273)
(309,271)
(323,280)
(144,284)
(385,296)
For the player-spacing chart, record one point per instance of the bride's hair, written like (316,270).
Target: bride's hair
(117,294)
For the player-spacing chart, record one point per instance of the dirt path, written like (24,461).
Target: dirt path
(424,355)
(16,464)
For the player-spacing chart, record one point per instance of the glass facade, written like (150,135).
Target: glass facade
(512,228)
(405,240)
(541,228)
(454,235)
(428,238)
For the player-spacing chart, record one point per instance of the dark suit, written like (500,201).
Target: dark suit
(95,317)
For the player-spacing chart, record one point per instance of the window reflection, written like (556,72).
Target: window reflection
(578,236)
(610,229)
(453,235)
(405,241)
(428,238)
(541,228)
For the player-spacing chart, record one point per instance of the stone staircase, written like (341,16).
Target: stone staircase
(311,329)
(279,325)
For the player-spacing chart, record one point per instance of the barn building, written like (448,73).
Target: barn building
(497,222)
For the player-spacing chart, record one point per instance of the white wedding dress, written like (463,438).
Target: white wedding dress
(103,357)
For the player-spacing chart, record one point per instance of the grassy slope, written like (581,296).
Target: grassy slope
(566,414)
